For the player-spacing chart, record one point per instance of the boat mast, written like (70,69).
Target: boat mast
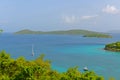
(32,51)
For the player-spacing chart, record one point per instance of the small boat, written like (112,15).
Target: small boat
(85,68)
(32,51)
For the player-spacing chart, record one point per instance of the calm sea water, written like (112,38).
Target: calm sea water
(66,51)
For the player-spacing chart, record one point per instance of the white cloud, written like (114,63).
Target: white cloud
(110,9)
(89,17)
(76,19)
(69,19)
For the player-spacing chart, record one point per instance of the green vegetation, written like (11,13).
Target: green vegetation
(38,69)
(113,47)
(98,35)
(85,33)
(1,30)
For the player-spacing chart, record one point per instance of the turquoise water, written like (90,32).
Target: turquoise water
(66,51)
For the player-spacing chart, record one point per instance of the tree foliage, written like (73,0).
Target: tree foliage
(38,69)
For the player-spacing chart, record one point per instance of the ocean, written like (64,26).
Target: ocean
(66,51)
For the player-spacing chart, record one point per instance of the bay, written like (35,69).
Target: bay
(66,51)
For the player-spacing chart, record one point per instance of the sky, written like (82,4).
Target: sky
(49,15)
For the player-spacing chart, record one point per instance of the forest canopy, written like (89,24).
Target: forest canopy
(38,69)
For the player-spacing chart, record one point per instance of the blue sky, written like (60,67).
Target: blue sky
(46,15)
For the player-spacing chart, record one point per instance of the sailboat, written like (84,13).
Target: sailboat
(32,51)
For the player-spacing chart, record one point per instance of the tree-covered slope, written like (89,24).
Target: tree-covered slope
(38,69)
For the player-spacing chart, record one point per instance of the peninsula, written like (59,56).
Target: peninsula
(113,47)
(85,33)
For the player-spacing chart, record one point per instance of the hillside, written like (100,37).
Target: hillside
(38,69)
(85,33)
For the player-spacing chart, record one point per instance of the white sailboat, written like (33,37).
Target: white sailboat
(32,51)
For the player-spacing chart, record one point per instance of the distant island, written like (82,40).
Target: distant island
(113,47)
(85,33)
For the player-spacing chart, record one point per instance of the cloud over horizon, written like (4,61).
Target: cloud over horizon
(76,19)
(111,9)
(69,19)
(88,17)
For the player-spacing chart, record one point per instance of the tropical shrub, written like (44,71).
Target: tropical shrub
(38,69)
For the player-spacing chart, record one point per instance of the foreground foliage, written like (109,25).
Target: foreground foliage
(39,69)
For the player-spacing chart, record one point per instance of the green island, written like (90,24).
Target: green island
(85,33)
(1,30)
(113,47)
(98,35)
(38,69)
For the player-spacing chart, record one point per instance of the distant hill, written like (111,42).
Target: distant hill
(85,33)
